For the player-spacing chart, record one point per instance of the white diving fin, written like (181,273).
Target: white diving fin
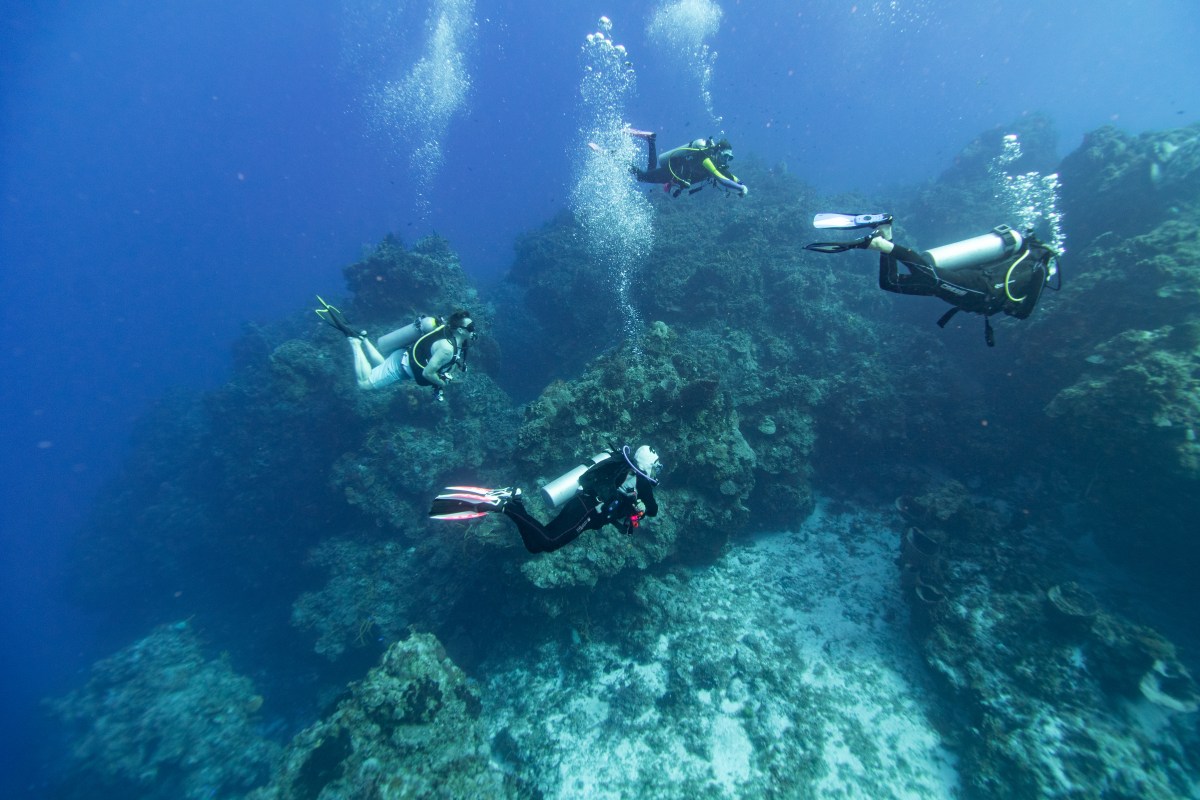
(849,221)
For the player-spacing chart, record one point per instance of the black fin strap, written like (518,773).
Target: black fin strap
(988,335)
(948,316)
(839,247)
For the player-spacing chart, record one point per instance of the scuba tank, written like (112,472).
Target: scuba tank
(1002,242)
(566,486)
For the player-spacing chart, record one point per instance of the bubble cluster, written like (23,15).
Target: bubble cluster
(414,110)
(680,28)
(616,219)
(1032,198)
(907,16)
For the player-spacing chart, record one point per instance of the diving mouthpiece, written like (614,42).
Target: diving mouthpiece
(848,221)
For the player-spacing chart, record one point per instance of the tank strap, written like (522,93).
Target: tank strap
(948,316)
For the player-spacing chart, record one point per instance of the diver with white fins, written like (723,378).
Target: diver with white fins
(688,166)
(615,488)
(1001,271)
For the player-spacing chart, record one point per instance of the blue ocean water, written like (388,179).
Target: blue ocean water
(173,171)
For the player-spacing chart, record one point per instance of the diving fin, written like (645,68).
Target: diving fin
(469,502)
(333,316)
(848,221)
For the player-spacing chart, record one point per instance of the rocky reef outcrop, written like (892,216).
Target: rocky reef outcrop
(409,729)
(160,719)
(1055,695)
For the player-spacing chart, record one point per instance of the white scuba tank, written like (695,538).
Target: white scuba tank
(566,486)
(1002,241)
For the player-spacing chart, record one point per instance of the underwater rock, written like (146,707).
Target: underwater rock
(1039,696)
(159,720)
(1132,416)
(395,283)
(1171,686)
(409,729)
(365,599)
(1072,607)
(572,300)
(1123,184)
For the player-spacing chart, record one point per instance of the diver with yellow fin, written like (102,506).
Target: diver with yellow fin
(424,351)
(1001,271)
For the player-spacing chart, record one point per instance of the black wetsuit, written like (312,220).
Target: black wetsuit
(1011,284)
(684,167)
(601,501)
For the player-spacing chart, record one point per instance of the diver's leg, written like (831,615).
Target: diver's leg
(573,520)
(533,533)
(390,370)
(539,538)
(920,279)
(372,353)
(362,364)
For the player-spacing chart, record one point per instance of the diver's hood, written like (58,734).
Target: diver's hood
(644,462)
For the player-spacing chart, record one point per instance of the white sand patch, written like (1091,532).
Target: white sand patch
(731,750)
(784,669)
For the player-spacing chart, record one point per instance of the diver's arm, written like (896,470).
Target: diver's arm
(441,354)
(646,495)
(730,182)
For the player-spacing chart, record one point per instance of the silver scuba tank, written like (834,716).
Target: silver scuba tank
(566,486)
(1002,241)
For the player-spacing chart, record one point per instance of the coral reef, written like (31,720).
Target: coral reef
(409,729)
(1049,685)
(706,655)
(159,720)
(1126,184)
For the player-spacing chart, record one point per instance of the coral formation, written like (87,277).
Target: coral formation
(409,729)
(1055,692)
(159,720)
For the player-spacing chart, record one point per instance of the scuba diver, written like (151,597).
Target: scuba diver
(425,350)
(615,487)
(689,166)
(999,271)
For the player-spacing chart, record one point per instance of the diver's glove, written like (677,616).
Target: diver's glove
(745,190)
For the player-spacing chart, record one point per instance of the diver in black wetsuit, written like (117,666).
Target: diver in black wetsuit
(688,166)
(1002,271)
(611,488)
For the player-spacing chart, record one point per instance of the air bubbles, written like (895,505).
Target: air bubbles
(1031,198)
(615,218)
(681,27)
(414,109)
